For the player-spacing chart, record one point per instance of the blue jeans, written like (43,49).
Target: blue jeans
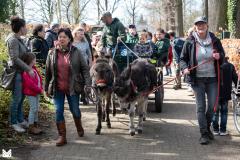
(34,106)
(16,106)
(168,70)
(203,87)
(223,109)
(73,101)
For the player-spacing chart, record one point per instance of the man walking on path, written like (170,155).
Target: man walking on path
(113,33)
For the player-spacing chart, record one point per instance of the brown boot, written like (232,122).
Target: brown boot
(78,124)
(34,130)
(61,134)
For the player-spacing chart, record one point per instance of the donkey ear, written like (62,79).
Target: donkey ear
(128,72)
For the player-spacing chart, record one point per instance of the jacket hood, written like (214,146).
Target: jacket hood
(50,31)
(213,37)
(32,37)
(115,20)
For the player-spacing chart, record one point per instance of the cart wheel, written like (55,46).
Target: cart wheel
(159,100)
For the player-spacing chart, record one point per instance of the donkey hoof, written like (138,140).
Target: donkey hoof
(144,118)
(98,132)
(140,131)
(109,126)
(132,133)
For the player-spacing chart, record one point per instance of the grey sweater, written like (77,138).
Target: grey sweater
(16,50)
(85,50)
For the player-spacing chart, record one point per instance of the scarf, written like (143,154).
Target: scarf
(203,42)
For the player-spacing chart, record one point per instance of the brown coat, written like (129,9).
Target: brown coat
(79,72)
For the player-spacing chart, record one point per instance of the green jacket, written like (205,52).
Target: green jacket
(163,46)
(132,40)
(112,32)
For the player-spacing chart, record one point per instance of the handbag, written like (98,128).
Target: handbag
(8,76)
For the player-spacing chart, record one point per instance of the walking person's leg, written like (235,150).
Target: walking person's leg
(58,100)
(199,90)
(215,123)
(16,104)
(177,82)
(224,117)
(211,91)
(33,102)
(74,106)
(170,70)
(166,69)
(36,113)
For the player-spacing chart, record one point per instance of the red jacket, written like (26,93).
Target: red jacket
(170,57)
(30,84)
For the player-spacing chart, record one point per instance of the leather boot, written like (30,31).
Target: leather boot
(61,134)
(78,124)
(34,130)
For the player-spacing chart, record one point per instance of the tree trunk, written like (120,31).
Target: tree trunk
(179,18)
(76,10)
(59,14)
(206,8)
(217,15)
(106,5)
(234,18)
(98,10)
(22,9)
(238,20)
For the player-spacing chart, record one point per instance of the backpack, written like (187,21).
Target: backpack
(178,45)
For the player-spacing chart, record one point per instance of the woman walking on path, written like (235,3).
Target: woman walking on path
(66,71)
(16,50)
(203,46)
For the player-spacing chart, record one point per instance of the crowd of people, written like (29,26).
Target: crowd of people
(66,57)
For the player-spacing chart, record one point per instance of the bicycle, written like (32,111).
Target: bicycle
(236,106)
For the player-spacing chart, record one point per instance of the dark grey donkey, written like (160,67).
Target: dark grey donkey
(133,85)
(102,73)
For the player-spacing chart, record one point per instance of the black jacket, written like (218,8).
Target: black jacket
(50,38)
(188,56)
(228,75)
(40,47)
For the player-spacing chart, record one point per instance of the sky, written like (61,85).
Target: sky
(91,13)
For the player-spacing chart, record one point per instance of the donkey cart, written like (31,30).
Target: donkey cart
(124,59)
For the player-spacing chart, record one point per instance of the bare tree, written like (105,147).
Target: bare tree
(46,9)
(105,5)
(179,18)
(58,11)
(22,4)
(79,7)
(217,15)
(131,7)
(206,8)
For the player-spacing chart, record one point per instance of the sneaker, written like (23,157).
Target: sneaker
(189,89)
(18,128)
(24,124)
(216,133)
(224,133)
